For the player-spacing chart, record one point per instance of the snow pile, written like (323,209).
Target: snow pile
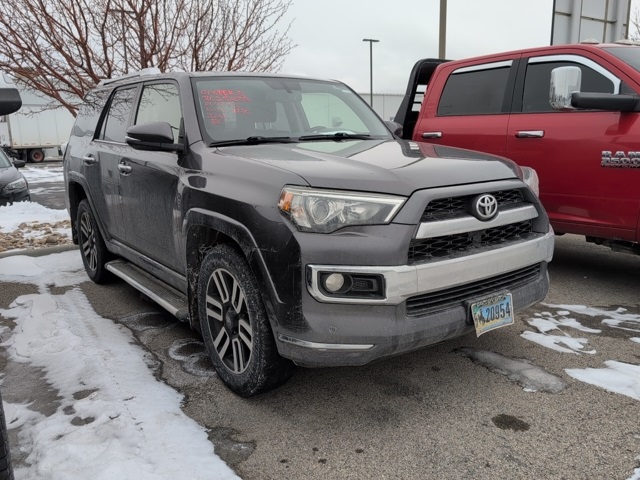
(115,419)
(29,224)
(43,173)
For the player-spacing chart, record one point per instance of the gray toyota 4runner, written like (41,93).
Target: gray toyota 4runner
(286,222)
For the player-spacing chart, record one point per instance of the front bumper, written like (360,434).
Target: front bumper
(350,331)
(14,196)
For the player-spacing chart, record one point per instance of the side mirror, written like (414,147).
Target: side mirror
(19,163)
(10,100)
(395,127)
(565,94)
(152,136)
(564,82)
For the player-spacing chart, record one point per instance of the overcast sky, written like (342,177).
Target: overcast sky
(329,35)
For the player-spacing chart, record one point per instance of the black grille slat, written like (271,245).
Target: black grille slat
(455,207)
(455,296)
(426,249)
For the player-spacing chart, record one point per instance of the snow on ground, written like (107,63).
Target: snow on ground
(11,216)
(43,174)
(618,377)
(115,419)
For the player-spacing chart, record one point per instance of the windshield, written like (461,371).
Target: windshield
(282,109)
(4,160)
(630,55)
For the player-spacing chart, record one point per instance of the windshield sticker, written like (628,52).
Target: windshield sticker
(217,102)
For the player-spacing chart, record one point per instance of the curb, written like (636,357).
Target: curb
(39,252)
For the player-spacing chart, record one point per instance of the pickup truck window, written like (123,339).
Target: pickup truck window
(535,97)
(477,92)
(160,103)
(117,121)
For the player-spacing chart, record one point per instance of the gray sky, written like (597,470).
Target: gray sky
(329,35)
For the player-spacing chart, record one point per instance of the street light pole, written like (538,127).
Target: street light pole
(371,42)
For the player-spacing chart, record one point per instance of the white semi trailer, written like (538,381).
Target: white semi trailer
(40,124)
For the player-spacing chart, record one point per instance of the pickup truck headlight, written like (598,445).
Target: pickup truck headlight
(325,211)
(20,184)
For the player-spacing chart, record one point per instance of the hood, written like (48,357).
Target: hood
(390,166)
(8,175)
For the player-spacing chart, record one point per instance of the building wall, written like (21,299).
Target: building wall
(385,104)
(577,20)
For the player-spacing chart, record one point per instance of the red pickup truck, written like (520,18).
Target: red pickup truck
(572,112)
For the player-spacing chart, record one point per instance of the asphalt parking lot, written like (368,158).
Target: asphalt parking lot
(437,413)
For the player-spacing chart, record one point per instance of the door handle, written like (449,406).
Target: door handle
(431,134)
(530,134)
(124,169)
(89,159)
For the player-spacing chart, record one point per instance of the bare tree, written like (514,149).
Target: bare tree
(62,48)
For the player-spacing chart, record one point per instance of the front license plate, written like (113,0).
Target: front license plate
(491,313)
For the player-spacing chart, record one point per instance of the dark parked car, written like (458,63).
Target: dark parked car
(13,185)
(285,221)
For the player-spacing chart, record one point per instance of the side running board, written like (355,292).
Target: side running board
(167,297)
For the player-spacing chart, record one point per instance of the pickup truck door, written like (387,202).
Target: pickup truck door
(566,149)
(149,183)
(468,107)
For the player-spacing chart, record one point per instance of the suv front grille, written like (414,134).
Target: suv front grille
(425,249)
(454,207)
(455,296)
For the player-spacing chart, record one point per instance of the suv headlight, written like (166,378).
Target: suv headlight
(16,185)
(325,211)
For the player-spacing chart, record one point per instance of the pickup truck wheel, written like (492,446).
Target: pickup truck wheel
(36,155)
(94,253)
(235,326)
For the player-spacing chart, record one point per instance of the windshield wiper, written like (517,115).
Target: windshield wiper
(336,136)
(251,141)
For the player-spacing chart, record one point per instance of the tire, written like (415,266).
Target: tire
(92,248)
(36,155)
(235,326)
(6,471)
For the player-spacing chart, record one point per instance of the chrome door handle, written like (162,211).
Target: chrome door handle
(431,134)
(124,168)
(89,159)
(530,134)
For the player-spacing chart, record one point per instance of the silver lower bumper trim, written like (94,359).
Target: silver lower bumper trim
(323,346)
(408,280)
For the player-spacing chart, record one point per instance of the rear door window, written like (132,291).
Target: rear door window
(118,118)
(477,90)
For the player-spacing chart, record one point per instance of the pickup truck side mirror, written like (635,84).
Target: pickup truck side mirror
(152,136)
(564,82)
(18,163)
(565,94)
(10,100)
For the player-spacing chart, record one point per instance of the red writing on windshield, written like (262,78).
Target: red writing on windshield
(215,102)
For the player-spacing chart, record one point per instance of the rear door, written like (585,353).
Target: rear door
(566,149)
(100,161)
(473,109)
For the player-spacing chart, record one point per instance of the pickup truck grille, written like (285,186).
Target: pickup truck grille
(453,207)
(455,296)
(426,249)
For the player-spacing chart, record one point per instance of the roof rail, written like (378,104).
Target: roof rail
(141,73)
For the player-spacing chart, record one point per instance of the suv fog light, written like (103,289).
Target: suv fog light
(334,282)
(354,285)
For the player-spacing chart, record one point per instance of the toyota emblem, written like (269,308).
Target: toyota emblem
(485,207)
